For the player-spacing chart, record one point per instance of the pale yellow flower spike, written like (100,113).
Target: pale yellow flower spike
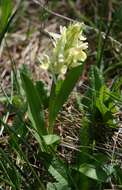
(68,50)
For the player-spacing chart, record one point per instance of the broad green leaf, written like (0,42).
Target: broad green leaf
(51,186)
(58,170)
(109,169)
(59,178)
(51,139)
(93,172)
(35,104)
(57,100)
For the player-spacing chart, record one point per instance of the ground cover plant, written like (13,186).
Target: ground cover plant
(61,98)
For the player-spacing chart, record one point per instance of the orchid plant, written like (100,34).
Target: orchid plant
(66,65)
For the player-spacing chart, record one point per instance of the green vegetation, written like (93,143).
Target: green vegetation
(67,134)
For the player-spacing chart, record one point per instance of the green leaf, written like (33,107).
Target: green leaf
(36,113)
(104,102)
(59,178)
(5,13)
(51,186)
(58,170)
(51,139)
(6,9)
(93,172)
(40,86)
(35,104)
(6,16)
(102,108)
(58,99)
